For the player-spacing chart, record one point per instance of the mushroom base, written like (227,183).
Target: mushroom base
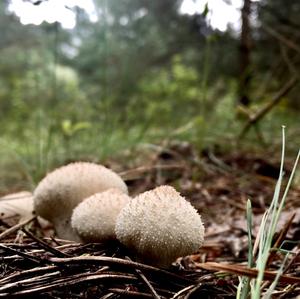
(64,230)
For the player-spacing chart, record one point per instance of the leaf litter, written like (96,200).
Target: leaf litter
(36,264)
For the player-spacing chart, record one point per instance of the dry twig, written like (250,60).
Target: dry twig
(253,120)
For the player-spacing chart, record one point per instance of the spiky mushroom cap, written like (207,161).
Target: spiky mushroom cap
(94,219)
(159,226)
(63,189)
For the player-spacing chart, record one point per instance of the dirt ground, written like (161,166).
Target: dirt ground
(217,184)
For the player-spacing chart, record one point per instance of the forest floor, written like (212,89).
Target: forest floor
(217,184)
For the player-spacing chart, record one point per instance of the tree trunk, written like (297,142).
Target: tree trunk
(245,53)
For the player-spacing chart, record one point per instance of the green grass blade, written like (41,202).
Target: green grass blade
(268,227)
(271,289)
(244,284)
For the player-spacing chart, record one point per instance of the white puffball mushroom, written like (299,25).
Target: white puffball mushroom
(160,226)
(94,219)
(63,189)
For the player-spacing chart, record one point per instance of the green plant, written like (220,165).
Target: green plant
(266,233)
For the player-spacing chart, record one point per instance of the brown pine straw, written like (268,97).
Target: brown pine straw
(249,272)
(51,273)
(15,228)
(106,261)
(146,281)
(41,267)
(44,245)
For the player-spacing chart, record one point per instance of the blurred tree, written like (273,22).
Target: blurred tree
(104,67)
(245,55)
(31,80)
(277,50)
(129,38)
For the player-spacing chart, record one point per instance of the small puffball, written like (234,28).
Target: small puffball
(94,219)
(63,189)
(159,226)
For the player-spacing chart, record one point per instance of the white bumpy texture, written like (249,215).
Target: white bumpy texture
(94,219)
(64,188)
(159,226)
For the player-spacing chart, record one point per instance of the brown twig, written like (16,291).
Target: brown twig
(269,106)
(22,254)
(15,228)
(146,281)
(110,261)
(129,293)
(64,282)
(44,245)
(31,272)
(28,282)
(182,291)
(238,270)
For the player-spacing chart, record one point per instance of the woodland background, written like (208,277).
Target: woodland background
(144,74)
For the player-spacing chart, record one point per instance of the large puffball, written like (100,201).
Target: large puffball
(159,226)
(63,189)
(94,219)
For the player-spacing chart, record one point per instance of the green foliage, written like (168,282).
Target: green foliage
(142,72)
(165,92)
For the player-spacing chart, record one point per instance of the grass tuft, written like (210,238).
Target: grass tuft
(266,234)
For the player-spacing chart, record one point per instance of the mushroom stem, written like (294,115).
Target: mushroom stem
(64,230)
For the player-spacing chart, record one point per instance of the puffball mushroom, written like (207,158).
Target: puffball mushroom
(63,189)
(94,219)
(159,226)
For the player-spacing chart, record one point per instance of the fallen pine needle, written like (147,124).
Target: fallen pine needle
(239,270)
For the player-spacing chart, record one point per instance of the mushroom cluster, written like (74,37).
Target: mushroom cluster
(87,202)
(62,190)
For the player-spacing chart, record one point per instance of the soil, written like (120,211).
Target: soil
(217,184)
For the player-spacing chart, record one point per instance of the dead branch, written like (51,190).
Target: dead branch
(253,120)
(289,43)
